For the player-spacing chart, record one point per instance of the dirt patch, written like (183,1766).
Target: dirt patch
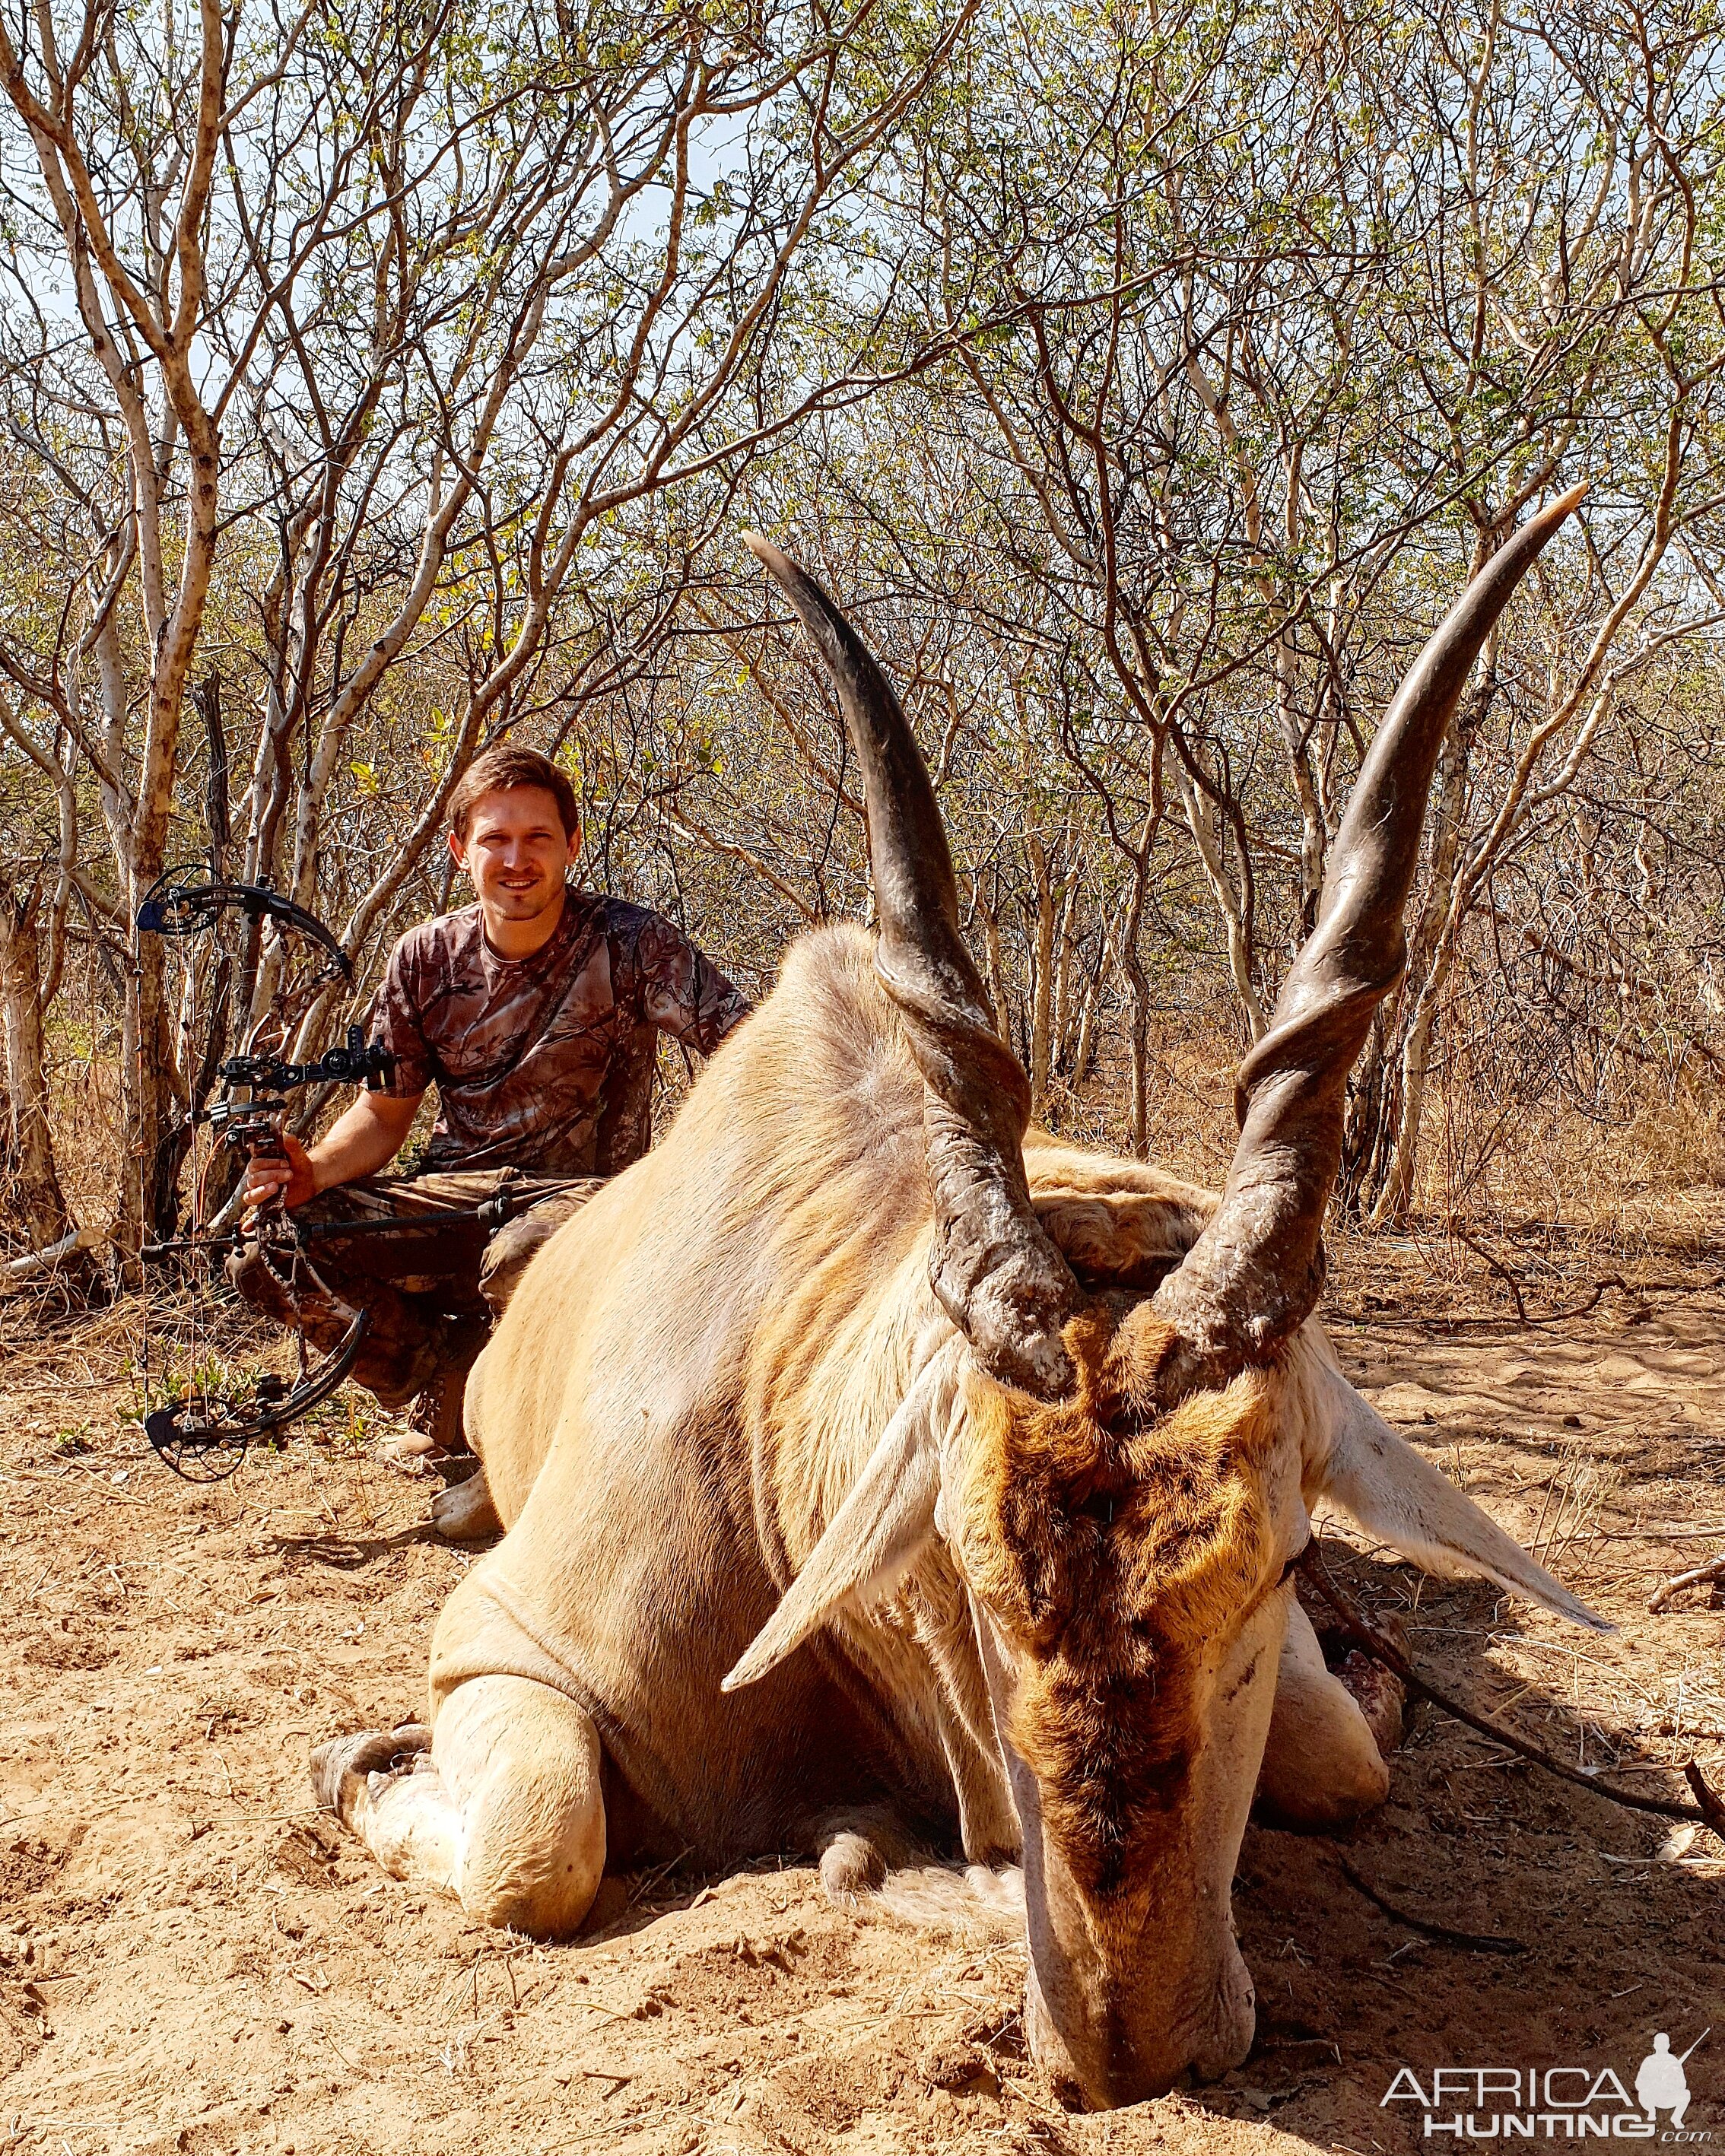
(191,1960)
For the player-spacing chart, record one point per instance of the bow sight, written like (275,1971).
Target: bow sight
(255,1121)
(361,1062)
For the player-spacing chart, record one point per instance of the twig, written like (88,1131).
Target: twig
(1480,1941)
(1646,1288)
(1655,1534)
(1707,1803)
(1714,1568)
(1498,1266)
(1708,1808)
(645,1886)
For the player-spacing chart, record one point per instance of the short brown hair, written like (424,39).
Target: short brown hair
(501,768)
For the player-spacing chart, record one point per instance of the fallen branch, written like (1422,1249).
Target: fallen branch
(1480,1941)
(37,1261)
(1707,1807)
(1713,1569)
(602,2074)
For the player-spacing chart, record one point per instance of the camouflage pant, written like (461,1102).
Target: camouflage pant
(432,1295)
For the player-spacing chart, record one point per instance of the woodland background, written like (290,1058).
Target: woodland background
(1146,379)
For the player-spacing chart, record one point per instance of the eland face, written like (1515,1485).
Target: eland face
(1125,1566)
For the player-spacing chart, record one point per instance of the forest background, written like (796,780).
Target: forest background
(380,377)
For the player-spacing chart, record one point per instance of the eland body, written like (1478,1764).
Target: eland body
(878,1471)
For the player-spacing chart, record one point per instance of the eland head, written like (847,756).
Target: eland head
(1120,1466)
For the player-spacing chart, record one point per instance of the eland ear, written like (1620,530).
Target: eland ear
(1396,1493)
(872,1538)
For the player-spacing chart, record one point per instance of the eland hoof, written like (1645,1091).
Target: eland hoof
(465,1512)
(363,1751)
(850,1867)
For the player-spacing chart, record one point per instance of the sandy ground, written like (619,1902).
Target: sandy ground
(190,1959)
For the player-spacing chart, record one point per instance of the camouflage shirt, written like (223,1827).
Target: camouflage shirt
(546,1062)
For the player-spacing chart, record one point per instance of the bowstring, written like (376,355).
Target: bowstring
(192,966)
(195,1340)
(276,950)
(182,1335)
(289,1008)
(203,1143)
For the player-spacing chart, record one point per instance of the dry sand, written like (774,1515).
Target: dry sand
(190,1959)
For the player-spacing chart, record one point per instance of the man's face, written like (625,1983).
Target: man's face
(515,852)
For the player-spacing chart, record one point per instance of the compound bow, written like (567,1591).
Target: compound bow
(203,1431)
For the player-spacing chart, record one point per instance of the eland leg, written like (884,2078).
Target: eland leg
(1322,1765)
(499,1805)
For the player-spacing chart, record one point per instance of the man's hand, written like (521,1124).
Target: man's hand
(289,1172)
(364,1140)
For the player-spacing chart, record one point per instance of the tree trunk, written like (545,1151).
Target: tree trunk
(1204,825)
(1396,1198)
(1084,1052)
(1314,836)
(1063,997)
(29,1139)
(1138,989)
(1042,976)
(993,965)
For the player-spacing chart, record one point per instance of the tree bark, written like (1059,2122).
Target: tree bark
(30,1137)
(994,967)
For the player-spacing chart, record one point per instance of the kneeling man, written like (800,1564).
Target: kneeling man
(536,1014)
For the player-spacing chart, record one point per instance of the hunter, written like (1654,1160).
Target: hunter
(534,1013)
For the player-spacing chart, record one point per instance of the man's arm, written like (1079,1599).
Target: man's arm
(682,991)
(360,1141)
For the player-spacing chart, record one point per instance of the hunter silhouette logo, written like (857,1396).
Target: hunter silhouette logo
(1660,2082)
(1550,2103)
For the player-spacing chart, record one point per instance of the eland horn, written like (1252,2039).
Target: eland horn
(993,1266)
(1255,1272)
